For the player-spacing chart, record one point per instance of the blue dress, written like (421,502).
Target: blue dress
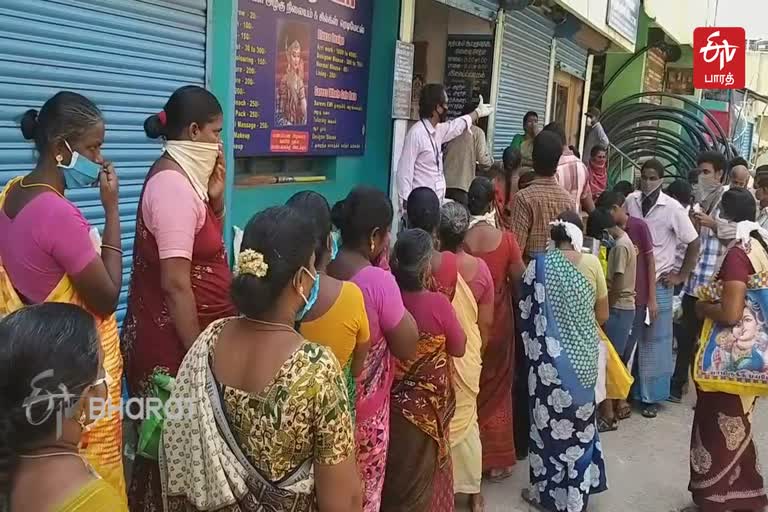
(561,344)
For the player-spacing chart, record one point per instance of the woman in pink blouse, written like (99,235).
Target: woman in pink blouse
(180,279)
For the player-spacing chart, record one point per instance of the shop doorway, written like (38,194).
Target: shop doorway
(567,94)
(455,48)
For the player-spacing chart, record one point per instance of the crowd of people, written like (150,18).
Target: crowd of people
(332,368)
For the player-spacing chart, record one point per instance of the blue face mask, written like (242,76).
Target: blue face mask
(309,301)
(80,172)
(334,244)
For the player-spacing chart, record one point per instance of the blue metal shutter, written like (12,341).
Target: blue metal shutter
(127,56)
(571,58)
(482,8)
(524,75)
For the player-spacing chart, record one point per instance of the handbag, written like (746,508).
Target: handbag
(151,428)
(618,379)
(734,359)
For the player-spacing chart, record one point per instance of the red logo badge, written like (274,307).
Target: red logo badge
(719,57)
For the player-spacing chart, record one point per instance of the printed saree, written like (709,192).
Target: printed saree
(561,344)
(422,396)
(202,467)
(103,445)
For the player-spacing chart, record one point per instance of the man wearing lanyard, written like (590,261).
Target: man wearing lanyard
(421,162)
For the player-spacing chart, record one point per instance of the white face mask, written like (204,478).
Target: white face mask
(198,160)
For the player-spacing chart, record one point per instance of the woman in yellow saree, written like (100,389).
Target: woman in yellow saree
(48,252)
(53,384)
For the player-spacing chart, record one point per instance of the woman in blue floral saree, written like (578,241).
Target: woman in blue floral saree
(564,299)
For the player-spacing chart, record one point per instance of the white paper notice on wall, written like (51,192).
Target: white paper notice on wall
(237,241)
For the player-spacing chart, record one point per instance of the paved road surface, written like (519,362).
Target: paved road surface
(647,465)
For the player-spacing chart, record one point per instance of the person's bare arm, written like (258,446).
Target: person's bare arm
(485,323)
(358,357)
(601,310)
(689,263)
(731,307)
(515,276)
(176,283)
(338,487)
(653,308)
(100,281)
(614,293)
(403,338)
(587,203)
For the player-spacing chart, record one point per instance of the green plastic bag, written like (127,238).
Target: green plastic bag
(151,427)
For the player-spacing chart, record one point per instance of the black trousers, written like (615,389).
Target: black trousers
(687,334)
(458,195)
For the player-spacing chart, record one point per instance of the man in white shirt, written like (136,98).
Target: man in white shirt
(421,162)
(670,227)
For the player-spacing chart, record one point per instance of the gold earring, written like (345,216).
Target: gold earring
(301,290)
(373,245)
(82,419)
(59,159)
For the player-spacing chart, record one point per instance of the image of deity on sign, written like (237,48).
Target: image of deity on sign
(744,347)
(292,76)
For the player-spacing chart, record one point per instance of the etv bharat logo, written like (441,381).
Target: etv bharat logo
(719,58)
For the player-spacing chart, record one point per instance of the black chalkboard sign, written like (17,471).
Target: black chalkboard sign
(468,68)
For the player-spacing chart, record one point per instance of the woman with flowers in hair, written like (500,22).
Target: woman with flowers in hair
(565,298)
(180,278)
(271,428)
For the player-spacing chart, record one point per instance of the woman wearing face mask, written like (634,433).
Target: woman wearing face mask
(42,467)
(271,427)
(365,218)
(180,278)
(725,474)
(48,253)
(335,314)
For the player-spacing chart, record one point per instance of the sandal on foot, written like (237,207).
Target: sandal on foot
(497,476)
(476,503)
(650,411)
(624,411)
(603,425)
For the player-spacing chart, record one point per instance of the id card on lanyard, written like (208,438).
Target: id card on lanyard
(435,148)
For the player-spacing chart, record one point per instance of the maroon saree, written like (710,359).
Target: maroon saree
(149,335)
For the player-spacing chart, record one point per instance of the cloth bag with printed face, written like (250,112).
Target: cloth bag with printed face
(734,359)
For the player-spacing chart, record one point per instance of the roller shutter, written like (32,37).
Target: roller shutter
(524,75)
(127,56)
(482,8)
(571,58)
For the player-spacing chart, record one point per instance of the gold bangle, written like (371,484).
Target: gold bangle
(112,247)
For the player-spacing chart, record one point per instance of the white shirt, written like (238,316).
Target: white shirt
(421,162)
(669,225)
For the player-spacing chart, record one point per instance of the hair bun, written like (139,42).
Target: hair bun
(28,124)
(339,214)
(154,127)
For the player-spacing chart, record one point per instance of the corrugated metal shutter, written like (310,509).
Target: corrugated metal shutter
(524,75)
(482,8)
(744,142)
(127,56)
(571,58)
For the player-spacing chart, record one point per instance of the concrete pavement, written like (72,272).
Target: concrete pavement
(647,464)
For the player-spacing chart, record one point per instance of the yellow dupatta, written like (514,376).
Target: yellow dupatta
(466,377)
(102,445)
